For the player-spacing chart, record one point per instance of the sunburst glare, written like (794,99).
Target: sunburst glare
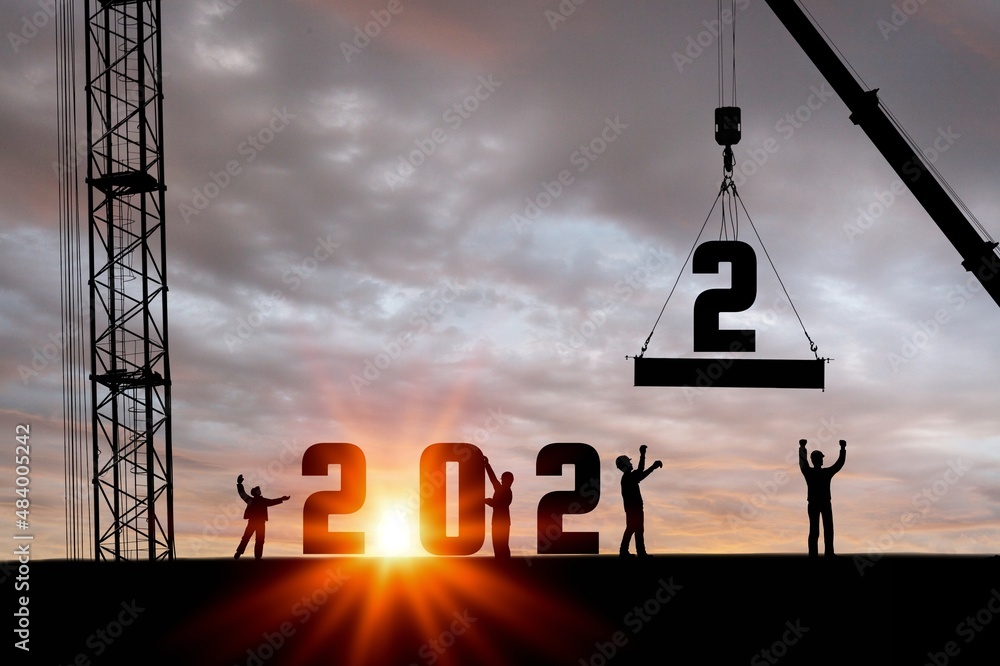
(394,536)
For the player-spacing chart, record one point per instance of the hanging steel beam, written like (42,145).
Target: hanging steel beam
(730,372)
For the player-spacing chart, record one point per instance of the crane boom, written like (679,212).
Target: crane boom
(979,255)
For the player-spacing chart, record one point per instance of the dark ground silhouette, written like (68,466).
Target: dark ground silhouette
(724,609)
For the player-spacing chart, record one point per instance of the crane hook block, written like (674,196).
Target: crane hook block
(727,125)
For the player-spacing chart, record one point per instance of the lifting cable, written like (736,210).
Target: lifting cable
(728,159)
(679,274)
(833,45)
(729,186)
(722,55)
(812,345)
(76,415)
(728,129)
(936,174)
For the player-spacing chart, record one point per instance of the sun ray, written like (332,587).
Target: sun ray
(373,610)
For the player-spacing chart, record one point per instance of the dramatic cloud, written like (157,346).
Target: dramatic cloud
(403,223)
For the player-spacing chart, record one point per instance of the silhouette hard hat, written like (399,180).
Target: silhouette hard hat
(621,460)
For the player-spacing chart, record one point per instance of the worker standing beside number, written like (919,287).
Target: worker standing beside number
(502,497)
(256,516)
(632,499)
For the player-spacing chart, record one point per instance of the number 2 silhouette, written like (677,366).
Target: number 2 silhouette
(740,295)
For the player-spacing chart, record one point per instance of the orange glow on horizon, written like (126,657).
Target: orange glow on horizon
(360,611)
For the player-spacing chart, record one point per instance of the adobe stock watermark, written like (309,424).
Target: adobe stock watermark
(454,116)
(427,314)
(917,341)
(562,12)
(708,378)
(972,626)
(429,485)
(229,516)
(635,621)
(700,42)
(223,8)
(655,260)
(785,127)
(884,199)
(264,306)
(32,24)
(363,35)
(769,488)
(48,354)
(272,641)
(792,634)
(923,502)
(494,421)
(79,153)
(248,150)
(901,13)
(308,605)
(926,330)
(107,634)
(580,159)
(590,491)
(432,650)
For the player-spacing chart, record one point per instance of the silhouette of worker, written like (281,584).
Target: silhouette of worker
(632,498)
(500,502)
(256,515)
(818,482)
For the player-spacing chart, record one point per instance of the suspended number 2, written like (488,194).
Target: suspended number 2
(740,295)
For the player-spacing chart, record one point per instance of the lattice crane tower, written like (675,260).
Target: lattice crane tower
(130,368)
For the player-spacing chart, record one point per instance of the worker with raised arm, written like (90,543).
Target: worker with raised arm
(500,502)
(820,505)
(256,516)
(632,499)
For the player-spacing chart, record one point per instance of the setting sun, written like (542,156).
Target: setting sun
(394,535)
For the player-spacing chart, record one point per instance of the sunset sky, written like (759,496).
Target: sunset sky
(455,230)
